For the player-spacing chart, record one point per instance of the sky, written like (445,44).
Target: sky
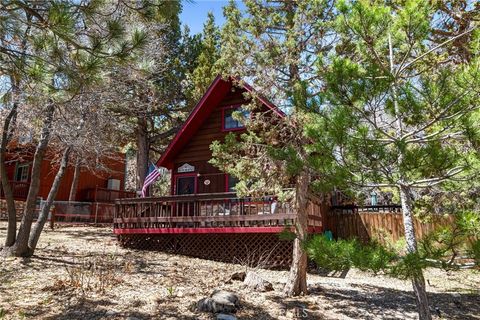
(195,12)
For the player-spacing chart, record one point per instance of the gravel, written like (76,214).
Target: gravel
(80,272)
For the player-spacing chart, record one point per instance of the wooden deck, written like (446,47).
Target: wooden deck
(105,195)
(209,213)
(19,190)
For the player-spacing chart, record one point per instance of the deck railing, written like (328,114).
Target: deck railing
(107,195)
(206,211)
(381,208)
(19,189)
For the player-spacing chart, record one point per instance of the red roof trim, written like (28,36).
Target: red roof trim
(189,119)
(163,161)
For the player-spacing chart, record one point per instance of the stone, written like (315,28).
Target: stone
(220,301)
(254,281)
(110,313)
(223,316)
(238,276)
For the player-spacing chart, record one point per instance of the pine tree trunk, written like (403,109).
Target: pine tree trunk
(43,216)
(76,178)
(297,280)
(7,188)
(20,248)
(419,281)
(142,152)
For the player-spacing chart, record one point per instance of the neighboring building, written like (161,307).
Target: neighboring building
(97,189)
(203,217)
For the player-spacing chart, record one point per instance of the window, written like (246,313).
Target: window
(229,123)
(21,172)
(231,183)
(186,185)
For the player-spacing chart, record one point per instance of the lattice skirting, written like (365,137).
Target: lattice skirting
(264,250)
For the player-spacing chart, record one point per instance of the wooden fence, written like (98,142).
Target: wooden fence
(376,222)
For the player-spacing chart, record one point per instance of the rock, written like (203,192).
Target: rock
(257,283)
(110,313)
(223,316)
(219,302)
(239,276)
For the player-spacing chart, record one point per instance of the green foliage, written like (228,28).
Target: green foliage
(475,251)
(206,71)
(332,255)
(338,255)
(410,266)
(437,249)
(287,235)
(374,84)
(276,47)
(43,42)
(171,291)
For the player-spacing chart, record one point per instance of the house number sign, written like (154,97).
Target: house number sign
(186,168)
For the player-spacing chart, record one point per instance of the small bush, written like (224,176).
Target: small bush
(332,255)
(475,251)
(409,266)
(339,255)
(96,273)
(373,257)
(438,249)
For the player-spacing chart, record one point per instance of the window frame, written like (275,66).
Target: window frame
(175,178)
(227,188)
(21,166)
(233,106)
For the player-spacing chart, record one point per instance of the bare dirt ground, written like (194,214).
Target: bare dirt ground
(81,273)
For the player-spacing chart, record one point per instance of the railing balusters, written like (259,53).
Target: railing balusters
(203,211)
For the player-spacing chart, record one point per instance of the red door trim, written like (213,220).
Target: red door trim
(184,175)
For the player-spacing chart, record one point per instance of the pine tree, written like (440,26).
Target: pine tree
(277,47)
(50,51)
(157,99)
(205,72)
(397,111)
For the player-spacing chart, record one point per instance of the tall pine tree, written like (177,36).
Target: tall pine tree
(206,71)
(277,47)
(49,52)
(398,109)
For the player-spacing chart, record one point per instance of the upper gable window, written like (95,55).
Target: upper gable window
(229,123)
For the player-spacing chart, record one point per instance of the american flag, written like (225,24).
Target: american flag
(151,178)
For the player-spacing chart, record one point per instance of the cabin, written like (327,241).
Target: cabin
(202,216)
(96,191)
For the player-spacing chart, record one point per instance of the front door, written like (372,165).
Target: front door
(186,185)
(183,186)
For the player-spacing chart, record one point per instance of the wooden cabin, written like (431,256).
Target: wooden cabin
(96,190)
(203,216)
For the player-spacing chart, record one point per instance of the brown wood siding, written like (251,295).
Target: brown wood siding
(197,151)
(88,179)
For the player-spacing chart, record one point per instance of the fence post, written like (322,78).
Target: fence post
(96,211)
(52,218)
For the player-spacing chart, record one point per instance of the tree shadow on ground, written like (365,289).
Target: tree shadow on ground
(91,309)
(246,312)
(292,308)
(388,303)
(329,274)
(89,234)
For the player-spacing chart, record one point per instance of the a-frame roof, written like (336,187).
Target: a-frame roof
(214,95)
